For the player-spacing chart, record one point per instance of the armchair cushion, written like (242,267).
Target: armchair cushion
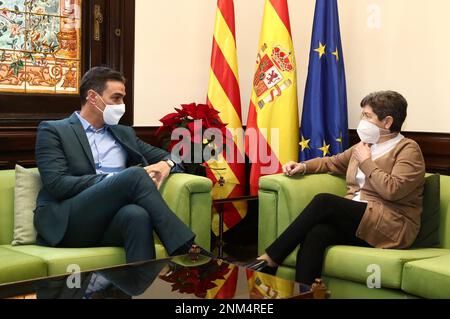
(58,259)
(28,185)
(428,278)
(429,231)
(7,182)
(18,267)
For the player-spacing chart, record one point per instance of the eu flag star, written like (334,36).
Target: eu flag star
(304,144)
(325,149)
(321,49)
(336,54)
(340,139)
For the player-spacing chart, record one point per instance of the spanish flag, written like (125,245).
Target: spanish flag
(224,96)
(264,286)
(273,115)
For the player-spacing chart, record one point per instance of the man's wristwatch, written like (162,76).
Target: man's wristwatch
(170,163)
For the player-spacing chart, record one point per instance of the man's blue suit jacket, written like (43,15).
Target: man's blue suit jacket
(67,168)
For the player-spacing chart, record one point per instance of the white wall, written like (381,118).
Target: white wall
(388,44)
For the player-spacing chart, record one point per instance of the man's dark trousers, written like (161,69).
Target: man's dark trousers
(124,210)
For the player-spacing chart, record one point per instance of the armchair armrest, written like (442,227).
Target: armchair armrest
(189,197)
(282,199)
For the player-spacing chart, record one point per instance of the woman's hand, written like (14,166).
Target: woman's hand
(362,152)
(292,168)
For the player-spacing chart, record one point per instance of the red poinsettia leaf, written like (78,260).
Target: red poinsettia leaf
(214,111)
(189,109)
(188,106)
(187,290)
(206,123)
(202,112)
(170,116)
(201,295)
(179,111)
(171,119)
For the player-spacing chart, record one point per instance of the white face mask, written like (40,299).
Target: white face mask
(370,133)
(112,114)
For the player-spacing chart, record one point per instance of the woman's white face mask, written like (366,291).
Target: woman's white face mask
(370,133)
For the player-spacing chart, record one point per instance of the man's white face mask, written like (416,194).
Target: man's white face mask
(112,114)
(370,133)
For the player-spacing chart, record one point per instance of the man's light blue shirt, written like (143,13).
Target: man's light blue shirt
(109,156)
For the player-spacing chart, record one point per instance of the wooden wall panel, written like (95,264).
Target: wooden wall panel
(17,146)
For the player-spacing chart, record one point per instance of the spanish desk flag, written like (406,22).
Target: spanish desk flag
(224,96)
(324,129)
(273,114)
(264,286)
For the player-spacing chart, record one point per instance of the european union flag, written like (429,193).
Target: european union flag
(324,128)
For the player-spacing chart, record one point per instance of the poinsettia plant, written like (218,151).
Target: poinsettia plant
(194,119)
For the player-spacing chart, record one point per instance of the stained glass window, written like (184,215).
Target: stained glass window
(40,46)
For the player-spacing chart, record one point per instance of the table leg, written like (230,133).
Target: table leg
(220,211)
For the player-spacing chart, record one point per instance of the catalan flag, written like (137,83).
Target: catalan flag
(273,115)
(224,96)
(225,288)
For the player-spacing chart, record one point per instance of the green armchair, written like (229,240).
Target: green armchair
(188,196)
(404,273)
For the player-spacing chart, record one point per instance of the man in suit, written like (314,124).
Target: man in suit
(101,181)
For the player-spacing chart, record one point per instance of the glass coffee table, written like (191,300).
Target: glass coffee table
(183,277)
